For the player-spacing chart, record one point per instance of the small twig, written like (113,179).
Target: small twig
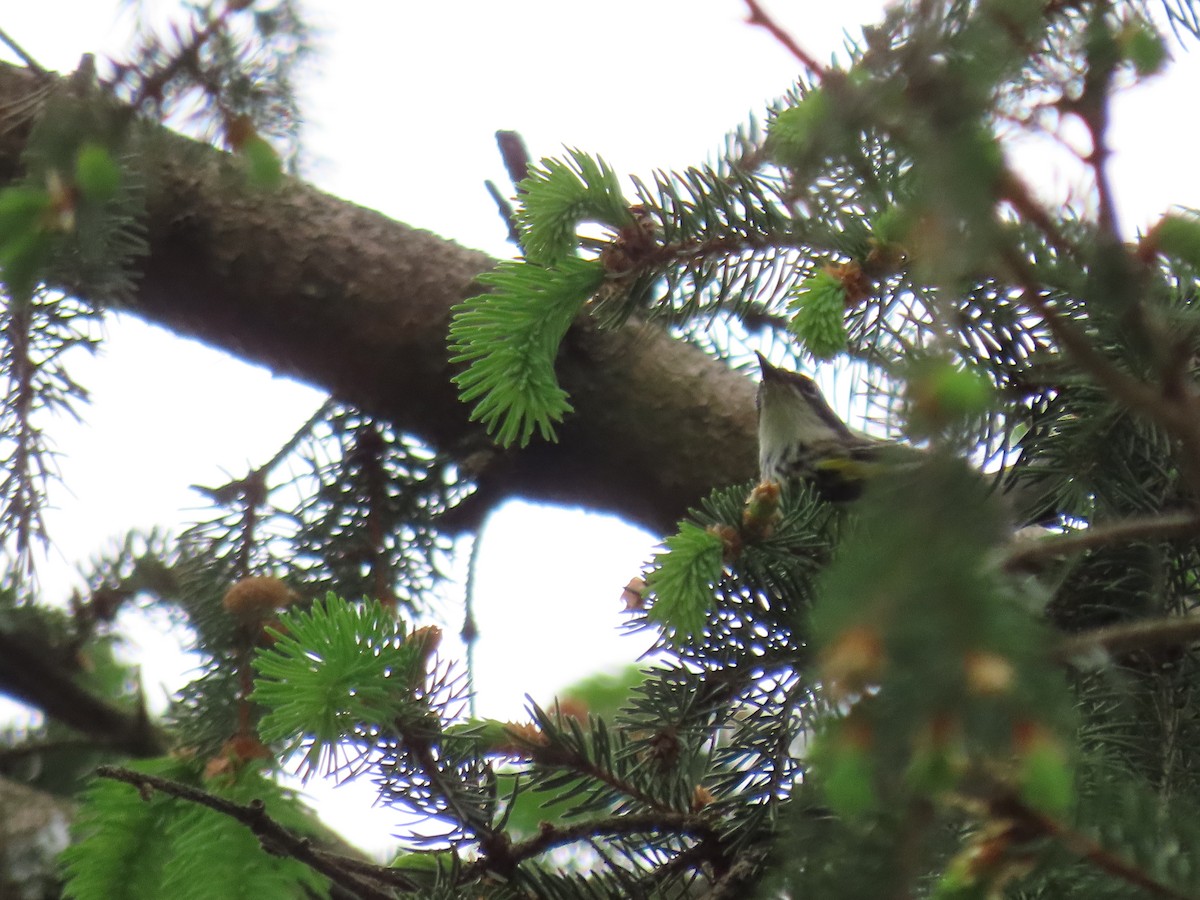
(1084,847)
(759,16)
(1177,414)
(549,837)
(30,62)
(515,155)
(273,835)
(1166,526)
(10,755)
(301,433)
(1134,393)
(1092,107)
(1173,631)
(506,211)
(470,627)
(1014,191)
(740,877)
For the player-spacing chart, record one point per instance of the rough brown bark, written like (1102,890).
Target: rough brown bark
(343,298)
(339,296)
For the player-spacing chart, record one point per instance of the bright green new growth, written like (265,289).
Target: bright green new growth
(797,132)
(561,194)
(818,308)
(331,669)
(682,581)
(850,700)
(132,847)
(510,337)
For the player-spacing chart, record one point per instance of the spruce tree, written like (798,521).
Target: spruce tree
(972,681)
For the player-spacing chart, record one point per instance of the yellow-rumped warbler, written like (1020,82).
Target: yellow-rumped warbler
(801,437)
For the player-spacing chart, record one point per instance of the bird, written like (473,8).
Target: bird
(800,437)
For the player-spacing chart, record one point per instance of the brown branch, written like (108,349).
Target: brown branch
(1148,528)
(514,154)
(759,16)
(1178,413)
(339,296)
(1013,191)
(35,673)
(1114,640)
(503,858)
(17,49)
(1132,392)
(1092,107)
(1033,822)
(274,837)
(1174,404)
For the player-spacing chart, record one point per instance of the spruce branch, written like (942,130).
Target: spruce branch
(1115,640)
(502,858)
(1032,823)
(1176,525)
(1176,410)
(505,208)
(154,83)
(29,61)
(275,837)
(567,750)
(33,672)
(1092,107)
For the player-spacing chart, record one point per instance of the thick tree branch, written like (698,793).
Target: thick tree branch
(34,673)
(342,297)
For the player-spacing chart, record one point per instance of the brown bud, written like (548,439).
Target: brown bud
(762,512)
(856,285)
(731,541)
(427,639)
(235,753)
(238,131)
(988,674)
(634,594)
(253,600)
(853,661)
(701,797)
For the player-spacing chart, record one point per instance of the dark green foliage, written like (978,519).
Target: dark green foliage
(559,196)
(138,847)
(772,580)
(230,69)
(38,333)
(847,701)
(331,669)
(366,523)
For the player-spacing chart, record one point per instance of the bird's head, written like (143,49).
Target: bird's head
(792,412)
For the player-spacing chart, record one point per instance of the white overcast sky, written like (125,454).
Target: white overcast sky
(401,111)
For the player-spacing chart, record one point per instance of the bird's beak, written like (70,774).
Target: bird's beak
(769,372)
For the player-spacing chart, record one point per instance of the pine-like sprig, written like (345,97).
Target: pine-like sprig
(509,338)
